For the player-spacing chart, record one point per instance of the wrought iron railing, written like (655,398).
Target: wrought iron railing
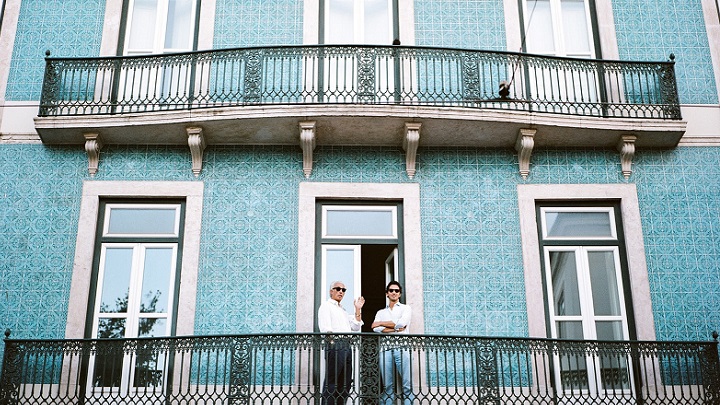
(388,75)
(291,369)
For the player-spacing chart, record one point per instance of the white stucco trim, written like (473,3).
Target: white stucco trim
(408,193)
(635,248)
(93,191)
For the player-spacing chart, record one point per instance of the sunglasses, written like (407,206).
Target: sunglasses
(397,290)
(339,289)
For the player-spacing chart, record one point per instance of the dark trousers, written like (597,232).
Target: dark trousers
(338,374)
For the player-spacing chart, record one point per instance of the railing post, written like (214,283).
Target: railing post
(369,387)
(10,374)
(487,372)
(711,371)
(367,58)
(668,89)
(239,392)
(253,76)
(50,91)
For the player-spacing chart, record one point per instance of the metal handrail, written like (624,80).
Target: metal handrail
(290,368)
(359,74)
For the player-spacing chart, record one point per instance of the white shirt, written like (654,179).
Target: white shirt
(332,318)
(400,314)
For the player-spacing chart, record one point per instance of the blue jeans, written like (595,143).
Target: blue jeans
(395,362)
(338,373)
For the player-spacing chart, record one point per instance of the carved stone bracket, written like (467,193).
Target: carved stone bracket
(196,142)
(626,146)
(410,144)
(93,144)
(524,146)
(307,143)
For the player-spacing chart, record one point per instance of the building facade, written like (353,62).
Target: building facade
(151,221)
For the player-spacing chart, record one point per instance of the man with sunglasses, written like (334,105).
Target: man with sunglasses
(394,359)
(332,318)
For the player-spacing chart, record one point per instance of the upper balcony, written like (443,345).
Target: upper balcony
(360,95)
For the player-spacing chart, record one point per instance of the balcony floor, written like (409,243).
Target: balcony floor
(369,125)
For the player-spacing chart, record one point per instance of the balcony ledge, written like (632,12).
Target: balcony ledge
(366,125)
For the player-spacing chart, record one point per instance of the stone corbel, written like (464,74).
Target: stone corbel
(93,144)
(307,143)
(524,146)
(410,144)
(626,146)
(196,142)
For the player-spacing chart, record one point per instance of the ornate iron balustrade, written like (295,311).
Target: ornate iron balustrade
(388,75)
(289,369)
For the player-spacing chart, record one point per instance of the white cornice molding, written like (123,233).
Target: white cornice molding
(524,146)
(196,142)
(626,146)
(93,144)
(411,140)
(307,143)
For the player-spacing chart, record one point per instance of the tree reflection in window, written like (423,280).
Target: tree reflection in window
(111,356)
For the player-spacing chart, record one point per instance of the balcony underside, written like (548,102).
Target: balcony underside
(369,125)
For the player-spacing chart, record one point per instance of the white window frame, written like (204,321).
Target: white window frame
(310,192)
(639,285)
(93,191)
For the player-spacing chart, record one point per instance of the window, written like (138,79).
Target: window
(157,27)
(582,251)
(359,22)
(160,26)
(135,288)
(559,27)
(396,207)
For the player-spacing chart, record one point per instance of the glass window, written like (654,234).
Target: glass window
(160,26)
(587,223)
(136,288)
(358,22)
(359,222)
(558,27)
(584,289)
(129,220)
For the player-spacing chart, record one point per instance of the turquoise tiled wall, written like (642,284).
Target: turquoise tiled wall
(65,27)
(473,273)
(474,24)
(652,30)
(257,23)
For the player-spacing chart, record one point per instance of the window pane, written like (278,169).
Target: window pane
(180,24)
(603,282)
(360,223)
(341,22)
(142,221)
(156,280)
(111,328)
(142,31)
(575,27)
(116,280)
(152,327)
(570,330)
(377,22)
(565,283)
(340,266)
(578,224)
(539,31)
(609,330)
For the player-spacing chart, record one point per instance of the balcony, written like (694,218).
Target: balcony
(359,95)
(289,369)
